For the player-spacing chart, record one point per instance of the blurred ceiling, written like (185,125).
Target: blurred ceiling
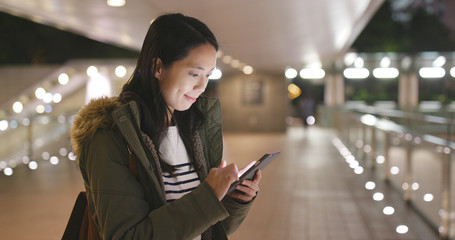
(268,35)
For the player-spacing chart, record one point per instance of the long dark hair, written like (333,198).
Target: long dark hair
(169,38)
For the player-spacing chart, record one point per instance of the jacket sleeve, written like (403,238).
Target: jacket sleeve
(212,138)
(117,200)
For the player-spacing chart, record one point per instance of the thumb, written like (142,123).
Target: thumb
(222,164)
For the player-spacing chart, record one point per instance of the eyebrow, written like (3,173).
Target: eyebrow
(201,68)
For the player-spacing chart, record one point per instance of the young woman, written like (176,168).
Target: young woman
(161,120)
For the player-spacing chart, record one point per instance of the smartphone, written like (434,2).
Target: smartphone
(259,165)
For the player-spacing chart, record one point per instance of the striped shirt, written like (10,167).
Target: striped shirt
(173,151)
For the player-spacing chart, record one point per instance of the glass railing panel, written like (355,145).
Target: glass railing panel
(397,160)
(425,186)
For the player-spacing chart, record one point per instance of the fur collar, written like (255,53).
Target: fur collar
(96,114)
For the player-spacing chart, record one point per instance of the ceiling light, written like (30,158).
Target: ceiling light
(359,62)
(349,58)
(388,210)
(216,74)
(40,92)
(116,3)
(56,98)
(17,107)
(439,62)
(92,71)
(432,72)
(385,62)
(248,70)
(226,59)
(63,78)
(290,73)
(385,72)
(47,98)
(312,73)
(120,71)
(235,63)
(40,109)
(356,73)
(3,125)
(452,72)
(402,229)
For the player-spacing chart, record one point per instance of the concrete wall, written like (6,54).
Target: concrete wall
(253,103)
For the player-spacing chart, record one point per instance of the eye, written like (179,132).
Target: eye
(194,75)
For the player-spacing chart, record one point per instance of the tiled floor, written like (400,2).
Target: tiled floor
(307,193)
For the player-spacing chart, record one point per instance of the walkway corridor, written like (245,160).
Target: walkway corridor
(307,193)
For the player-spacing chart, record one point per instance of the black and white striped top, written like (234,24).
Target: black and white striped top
(173,152)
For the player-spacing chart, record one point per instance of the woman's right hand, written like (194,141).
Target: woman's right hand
(220,178)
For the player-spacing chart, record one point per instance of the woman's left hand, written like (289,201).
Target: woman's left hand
(247,189)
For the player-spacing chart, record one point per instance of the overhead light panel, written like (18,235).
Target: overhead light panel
(312,73)
(290,73)
(385,72)
(432,72)
(356,73)
(116,3)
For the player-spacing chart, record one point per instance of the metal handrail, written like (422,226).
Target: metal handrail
(377,119)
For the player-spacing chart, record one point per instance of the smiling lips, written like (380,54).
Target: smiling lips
(191,99)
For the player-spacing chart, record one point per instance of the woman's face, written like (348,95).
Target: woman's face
(186,79)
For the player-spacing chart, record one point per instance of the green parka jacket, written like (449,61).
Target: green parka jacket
(126,207)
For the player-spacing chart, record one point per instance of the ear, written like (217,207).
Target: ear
(158,68)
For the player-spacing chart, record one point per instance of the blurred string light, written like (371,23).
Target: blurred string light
(40,109)
(3,125)
(370,185)
(452,71)
(63,78)
(402,229)
(33,165)
(17,107)
(248,70)
(92,71)
(120,71)
(226,59)
(388,210)
(293,91)
(56,98)
(216,74)
(8,171)
(40,92)
(98,85)
(13,124)
(378,196)
(428,197)
(290,73)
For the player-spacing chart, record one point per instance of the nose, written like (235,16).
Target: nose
(201,84)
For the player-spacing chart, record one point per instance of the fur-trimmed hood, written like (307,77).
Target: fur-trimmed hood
(96,114)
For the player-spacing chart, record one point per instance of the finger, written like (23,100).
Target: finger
(250,191)
(241,197)
(250,184)
(257,177)
(234,170)
(222,164)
